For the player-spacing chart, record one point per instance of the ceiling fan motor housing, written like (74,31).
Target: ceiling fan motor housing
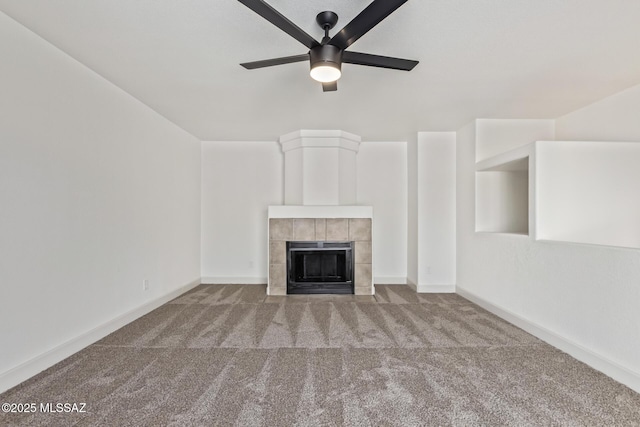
(326,54)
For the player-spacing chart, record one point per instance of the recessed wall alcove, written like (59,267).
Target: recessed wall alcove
(562,191)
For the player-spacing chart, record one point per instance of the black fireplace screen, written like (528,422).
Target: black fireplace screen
(320,267)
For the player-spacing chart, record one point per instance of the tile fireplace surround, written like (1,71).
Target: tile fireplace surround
(297,223)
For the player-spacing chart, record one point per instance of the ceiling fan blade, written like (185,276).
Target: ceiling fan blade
(275,61)
(330,87)
(366,20)
(378,61)
(277,19)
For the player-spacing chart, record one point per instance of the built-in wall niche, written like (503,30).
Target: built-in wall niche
(584,192)
(502,193)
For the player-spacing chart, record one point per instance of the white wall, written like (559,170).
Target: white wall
(97,194)
(496,136)
(612,119)
(588,192)
(239,181)
(320,176)
(502,201)
(436,199)
(581,298)
(382,183)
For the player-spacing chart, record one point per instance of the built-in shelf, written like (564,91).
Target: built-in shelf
(563,191)
(502,192)
(505,233)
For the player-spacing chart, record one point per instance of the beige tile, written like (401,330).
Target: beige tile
(321,229)
(304,229)
(280,229)
(360,229)
(363,290)
(277,252)
(277,279)
(338,229)
(362,253)
(277,292)
(363,275)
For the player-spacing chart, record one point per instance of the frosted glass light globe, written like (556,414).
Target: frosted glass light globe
(325,73)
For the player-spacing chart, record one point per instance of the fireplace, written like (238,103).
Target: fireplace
(319,267)
(319,227)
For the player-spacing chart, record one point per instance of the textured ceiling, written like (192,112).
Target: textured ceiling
(478,58)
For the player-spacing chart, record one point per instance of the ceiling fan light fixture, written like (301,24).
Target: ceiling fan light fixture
(325,73)
(326,61)
(327,55)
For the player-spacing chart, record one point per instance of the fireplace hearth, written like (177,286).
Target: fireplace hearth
(319,267)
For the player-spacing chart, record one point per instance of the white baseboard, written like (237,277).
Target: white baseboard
(424,288)
(432,289)
(34,366)
(601,363)
(389,280)
(234,280)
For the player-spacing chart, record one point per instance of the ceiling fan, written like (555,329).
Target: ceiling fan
(326,57)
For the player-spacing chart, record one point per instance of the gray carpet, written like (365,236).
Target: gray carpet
(228,355)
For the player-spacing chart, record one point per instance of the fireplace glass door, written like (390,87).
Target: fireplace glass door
(320,267)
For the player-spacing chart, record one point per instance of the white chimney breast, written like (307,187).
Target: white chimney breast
(320,167)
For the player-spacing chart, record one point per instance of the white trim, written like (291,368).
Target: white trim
(597,361)
(236,280)
(34,366)
(389,280)
(425,288)
(320,138)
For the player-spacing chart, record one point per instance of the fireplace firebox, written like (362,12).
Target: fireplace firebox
(320,267)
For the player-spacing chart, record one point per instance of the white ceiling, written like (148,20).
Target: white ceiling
(478,58)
